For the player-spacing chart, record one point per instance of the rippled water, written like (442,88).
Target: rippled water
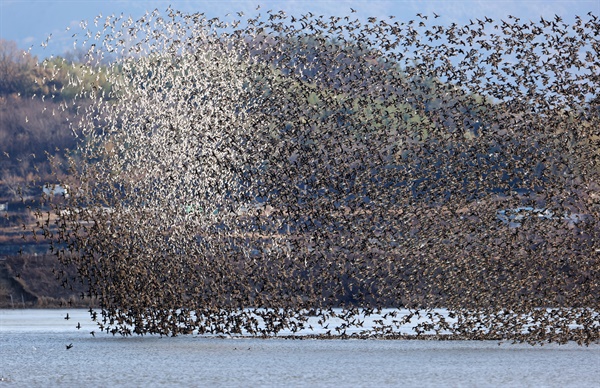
(33,353)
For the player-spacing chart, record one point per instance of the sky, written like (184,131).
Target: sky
(30,22)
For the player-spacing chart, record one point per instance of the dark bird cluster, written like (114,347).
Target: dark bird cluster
(243,176)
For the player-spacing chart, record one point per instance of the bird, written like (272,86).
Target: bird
(69,346)
(231,182)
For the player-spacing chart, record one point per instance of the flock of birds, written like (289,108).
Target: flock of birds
(241,176)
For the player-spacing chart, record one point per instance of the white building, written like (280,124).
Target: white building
(52,190)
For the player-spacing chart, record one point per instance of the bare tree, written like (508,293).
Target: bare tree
(12,183)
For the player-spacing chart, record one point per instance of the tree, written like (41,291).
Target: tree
(13,184)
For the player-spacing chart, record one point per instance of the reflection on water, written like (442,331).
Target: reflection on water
(33,353)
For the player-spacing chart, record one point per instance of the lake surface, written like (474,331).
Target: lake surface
(33,353)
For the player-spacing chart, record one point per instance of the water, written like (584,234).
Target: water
(33,353)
